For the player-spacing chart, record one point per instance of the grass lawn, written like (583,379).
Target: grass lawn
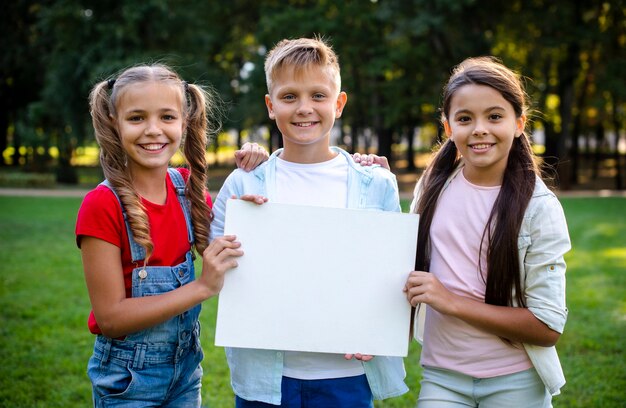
(45,344)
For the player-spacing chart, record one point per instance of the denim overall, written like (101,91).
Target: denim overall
(158,366)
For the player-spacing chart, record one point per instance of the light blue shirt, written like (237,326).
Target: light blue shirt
(256,375)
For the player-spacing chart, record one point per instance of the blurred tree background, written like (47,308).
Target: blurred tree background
(395,56)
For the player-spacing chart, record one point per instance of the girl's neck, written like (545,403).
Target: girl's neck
(489,178)
(151,185)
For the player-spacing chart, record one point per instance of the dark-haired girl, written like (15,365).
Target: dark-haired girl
(490,274)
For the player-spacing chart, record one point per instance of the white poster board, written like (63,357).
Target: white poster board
(317,279)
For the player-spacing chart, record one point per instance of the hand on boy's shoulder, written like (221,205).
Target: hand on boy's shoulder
(366,160)
(250,156)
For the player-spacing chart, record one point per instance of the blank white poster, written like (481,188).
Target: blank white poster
(317,279)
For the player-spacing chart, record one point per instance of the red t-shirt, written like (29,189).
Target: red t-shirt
(100,216)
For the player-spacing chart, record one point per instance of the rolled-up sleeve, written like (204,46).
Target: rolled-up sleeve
(543,251)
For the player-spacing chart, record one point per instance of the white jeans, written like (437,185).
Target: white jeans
(445,388)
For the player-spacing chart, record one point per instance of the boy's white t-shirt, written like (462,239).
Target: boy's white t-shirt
(324,185)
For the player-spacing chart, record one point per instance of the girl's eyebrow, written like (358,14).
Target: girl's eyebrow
(460,111)
(489,109)
(494,108)
(161,110)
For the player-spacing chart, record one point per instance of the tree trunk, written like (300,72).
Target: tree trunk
(4,134)
(385,140)
(410,154)
(576,132)
(619,182)
(597,154)
(355,136)
(65,172)
(566,96)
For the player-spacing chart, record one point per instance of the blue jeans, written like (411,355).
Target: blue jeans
(449,389)
(137,376)
(347,392)
(155,367)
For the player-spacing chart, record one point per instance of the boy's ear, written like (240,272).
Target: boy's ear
(342,99)
(270,107)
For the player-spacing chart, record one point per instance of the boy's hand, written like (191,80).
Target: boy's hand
(358,356)
(250,156)
(369,159)
(253,198)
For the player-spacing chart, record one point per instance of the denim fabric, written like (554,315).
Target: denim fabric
(449,389)
(158,366)
(542,243)
(256,375)
(348,392)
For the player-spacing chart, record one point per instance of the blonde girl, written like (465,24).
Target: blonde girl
(139,232)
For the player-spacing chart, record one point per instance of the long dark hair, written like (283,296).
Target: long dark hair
(503,285)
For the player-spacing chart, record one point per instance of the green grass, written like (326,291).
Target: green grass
(45,344)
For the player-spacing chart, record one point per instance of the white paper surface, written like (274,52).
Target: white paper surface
(317,279)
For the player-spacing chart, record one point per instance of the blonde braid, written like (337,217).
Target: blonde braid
(194,148)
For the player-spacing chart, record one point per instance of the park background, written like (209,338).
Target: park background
(395,56)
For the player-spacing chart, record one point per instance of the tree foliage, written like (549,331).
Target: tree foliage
(395,56)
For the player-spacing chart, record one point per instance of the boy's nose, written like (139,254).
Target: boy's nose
(304,108)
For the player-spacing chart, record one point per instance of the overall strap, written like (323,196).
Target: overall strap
(138,253)
(179,185)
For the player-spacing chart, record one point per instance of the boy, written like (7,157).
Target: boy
(304,99)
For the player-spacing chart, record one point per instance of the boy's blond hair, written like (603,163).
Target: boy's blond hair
(300,54)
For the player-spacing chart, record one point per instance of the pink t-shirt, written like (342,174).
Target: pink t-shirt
(456,232)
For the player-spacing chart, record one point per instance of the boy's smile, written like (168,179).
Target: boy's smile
(305,124)
(305,103)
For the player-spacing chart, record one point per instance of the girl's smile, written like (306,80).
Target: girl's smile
(481,147)
(153,146)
